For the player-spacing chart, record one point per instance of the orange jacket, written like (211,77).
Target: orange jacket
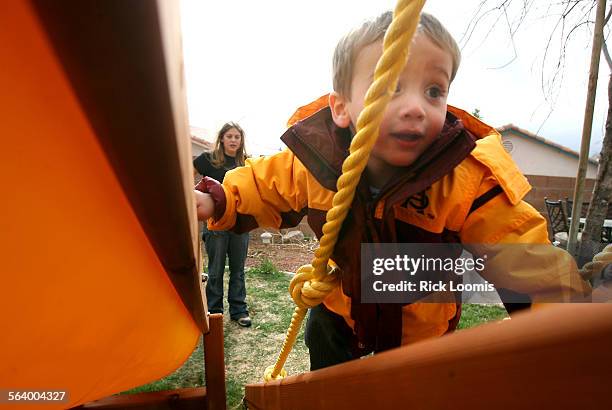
(277,191)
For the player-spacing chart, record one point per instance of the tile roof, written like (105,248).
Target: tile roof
(198,136)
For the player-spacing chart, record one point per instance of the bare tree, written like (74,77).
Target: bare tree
(591,241)
(570,18)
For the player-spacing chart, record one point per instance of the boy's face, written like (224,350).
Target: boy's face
(415,115)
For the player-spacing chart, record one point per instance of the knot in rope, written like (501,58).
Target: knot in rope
(600,261)
(268,374)
(307,291)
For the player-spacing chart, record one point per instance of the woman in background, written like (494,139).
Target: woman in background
(229,153)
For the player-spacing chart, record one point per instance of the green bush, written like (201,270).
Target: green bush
(265,267)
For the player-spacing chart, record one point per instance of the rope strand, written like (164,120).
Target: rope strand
(312,283)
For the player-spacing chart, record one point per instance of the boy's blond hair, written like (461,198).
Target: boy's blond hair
(371,31)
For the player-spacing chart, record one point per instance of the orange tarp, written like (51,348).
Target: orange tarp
(86,305)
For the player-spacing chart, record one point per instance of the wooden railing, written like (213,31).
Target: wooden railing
(556,357)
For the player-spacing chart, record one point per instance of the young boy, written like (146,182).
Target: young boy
(435,175)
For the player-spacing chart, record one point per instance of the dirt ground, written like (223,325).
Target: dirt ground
(286,257)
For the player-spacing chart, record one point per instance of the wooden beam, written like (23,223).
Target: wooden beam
(557,357)
(214,363)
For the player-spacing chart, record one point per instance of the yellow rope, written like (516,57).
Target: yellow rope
(312,283)
(600,261)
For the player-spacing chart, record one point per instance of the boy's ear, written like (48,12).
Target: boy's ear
(339,110)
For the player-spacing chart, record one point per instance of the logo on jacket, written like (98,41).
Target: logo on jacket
(419,202)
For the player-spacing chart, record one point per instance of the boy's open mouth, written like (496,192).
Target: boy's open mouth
(406,136)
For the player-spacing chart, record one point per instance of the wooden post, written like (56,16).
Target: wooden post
(587,125)
(214,364)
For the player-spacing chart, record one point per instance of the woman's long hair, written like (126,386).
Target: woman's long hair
(218,155)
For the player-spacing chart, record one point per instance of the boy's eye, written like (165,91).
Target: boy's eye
(435,92)
(398,88)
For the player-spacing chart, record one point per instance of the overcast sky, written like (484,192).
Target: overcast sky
(255,62)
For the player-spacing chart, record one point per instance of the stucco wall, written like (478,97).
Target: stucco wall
(536,158)
(196,149)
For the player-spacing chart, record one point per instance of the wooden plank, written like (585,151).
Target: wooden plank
(557,357)
(170,28)
(180,399)
(214,363)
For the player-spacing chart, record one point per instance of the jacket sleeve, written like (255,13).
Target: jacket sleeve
(274,191)
(520,260)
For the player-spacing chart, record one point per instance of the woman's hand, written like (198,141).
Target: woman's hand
(205,206)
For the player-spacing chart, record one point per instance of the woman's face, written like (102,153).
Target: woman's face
(231,140)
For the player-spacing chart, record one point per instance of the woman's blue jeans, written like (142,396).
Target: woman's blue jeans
(220,244)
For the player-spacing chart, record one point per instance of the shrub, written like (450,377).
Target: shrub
(265,267)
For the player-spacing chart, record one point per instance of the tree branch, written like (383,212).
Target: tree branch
(606,54)
(608,15)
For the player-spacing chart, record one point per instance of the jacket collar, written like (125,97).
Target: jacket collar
(322,147)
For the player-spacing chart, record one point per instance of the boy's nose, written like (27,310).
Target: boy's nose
(411,108)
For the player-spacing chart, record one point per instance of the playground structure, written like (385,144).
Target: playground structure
(102,290)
